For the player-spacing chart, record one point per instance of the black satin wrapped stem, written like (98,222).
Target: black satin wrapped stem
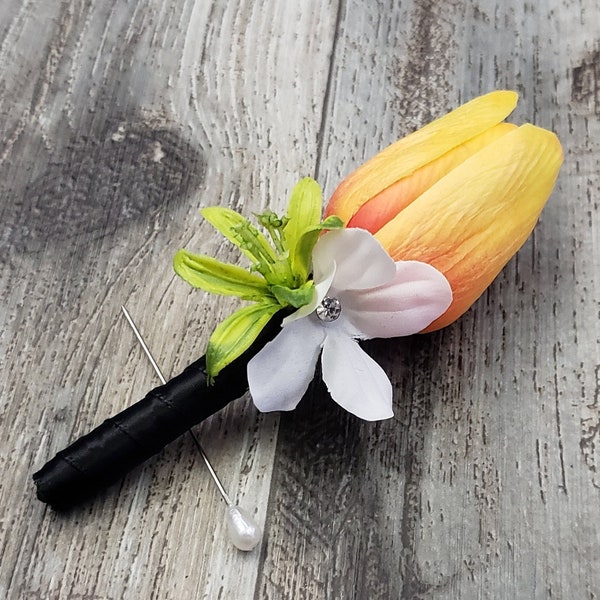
(126,440)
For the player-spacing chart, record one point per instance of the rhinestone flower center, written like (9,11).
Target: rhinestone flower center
(329,310)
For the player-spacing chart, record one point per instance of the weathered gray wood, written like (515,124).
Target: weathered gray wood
(485,483)
(118,121)
(122,119)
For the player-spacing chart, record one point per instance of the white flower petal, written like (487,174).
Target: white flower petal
(321,288)
(417,296)
(279,375)
(354,380)
(361,262)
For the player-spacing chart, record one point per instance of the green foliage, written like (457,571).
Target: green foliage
(235,335)
(218,277)
(280,263)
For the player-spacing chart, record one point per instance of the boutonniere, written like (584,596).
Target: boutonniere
(405,245)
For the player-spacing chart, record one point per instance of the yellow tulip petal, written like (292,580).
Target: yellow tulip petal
(471,222)
(377,211)
(418,149)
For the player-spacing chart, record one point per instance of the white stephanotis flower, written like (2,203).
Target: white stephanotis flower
(360,294)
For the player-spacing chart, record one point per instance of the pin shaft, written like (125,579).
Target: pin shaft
(199,447)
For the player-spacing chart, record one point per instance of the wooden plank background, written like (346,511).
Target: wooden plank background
(118,120)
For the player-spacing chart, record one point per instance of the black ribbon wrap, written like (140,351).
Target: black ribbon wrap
(126,440)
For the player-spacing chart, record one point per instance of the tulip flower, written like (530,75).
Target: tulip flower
(461,194)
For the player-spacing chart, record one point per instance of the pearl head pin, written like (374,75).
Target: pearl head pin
(244,532)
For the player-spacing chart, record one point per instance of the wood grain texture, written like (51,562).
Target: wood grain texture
(118,121)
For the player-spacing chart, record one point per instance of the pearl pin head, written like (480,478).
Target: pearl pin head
(243,530)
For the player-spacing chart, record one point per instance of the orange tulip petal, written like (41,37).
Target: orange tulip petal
(470,223)
(377,211)
(418,149)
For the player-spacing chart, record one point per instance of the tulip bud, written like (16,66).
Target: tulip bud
(462,194)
